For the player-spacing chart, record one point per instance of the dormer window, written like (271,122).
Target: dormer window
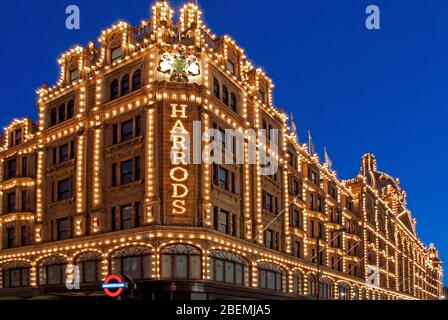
(62,113)
(74,75)
(116,54)
(261,96)
(15,138)
(231,67)
(18,137)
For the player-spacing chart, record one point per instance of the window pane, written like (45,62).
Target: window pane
(132,267)
(42,275)
(230,272)
(126,131)
(116,54)
(116,266)
(167,267)
(15,277)
(219,270)
(239,274)
(126,218)
(25,273)
(195,267)
(127,172)
(262,279)
(64,190)
(180,263)
(147,267)
(271,280)
(54,274)
(6,279)
(278,281)
(89,271)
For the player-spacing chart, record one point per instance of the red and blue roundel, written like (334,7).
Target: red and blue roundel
(114,285)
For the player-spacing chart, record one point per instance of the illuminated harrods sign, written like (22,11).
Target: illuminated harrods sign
(179,158)
(180,64)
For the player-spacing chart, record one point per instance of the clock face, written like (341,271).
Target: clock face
(179,65)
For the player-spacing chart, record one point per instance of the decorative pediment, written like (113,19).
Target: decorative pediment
(408,221)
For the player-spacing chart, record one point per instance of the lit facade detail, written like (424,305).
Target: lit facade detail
(93,180)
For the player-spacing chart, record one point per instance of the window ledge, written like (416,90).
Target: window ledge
(117,147)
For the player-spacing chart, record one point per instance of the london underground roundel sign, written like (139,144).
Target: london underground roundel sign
(114,285)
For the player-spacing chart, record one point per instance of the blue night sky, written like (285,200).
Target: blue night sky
(358,91)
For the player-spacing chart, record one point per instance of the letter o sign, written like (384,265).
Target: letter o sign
(179,174)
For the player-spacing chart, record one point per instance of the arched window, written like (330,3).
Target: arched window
(216,90)
(90,267)
(228,268)
(53,117)
(298,283)
(355,293)
(311,286)
(270,277)
(61,113)
(135,262)
(70,109)
(137,80)
(125,85)
(343,292)
(114,92)
(233,102)
(16,274)
(181,262)
(52,271)
(225,95)
(325,290)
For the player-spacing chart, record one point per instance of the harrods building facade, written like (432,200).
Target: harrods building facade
(91,183)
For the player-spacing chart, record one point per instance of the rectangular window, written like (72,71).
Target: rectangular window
(296,218)
(269,239)
(269,205)
(63,231)
(126,130)
(126,217)
(113,219)
(116,54)
(74,75)
(312,231)
(137,169)
(223,222)
(297,250)
(12,169)
(138,126)
(11,237)
(24,201)
(231,67)
(261,96)
(23,236)
(138,214)
(223,178)
(114,174)
(115,134)
(18,137)
(64,190)
(11,202)
(127,172)
(63,153)
(24,167)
